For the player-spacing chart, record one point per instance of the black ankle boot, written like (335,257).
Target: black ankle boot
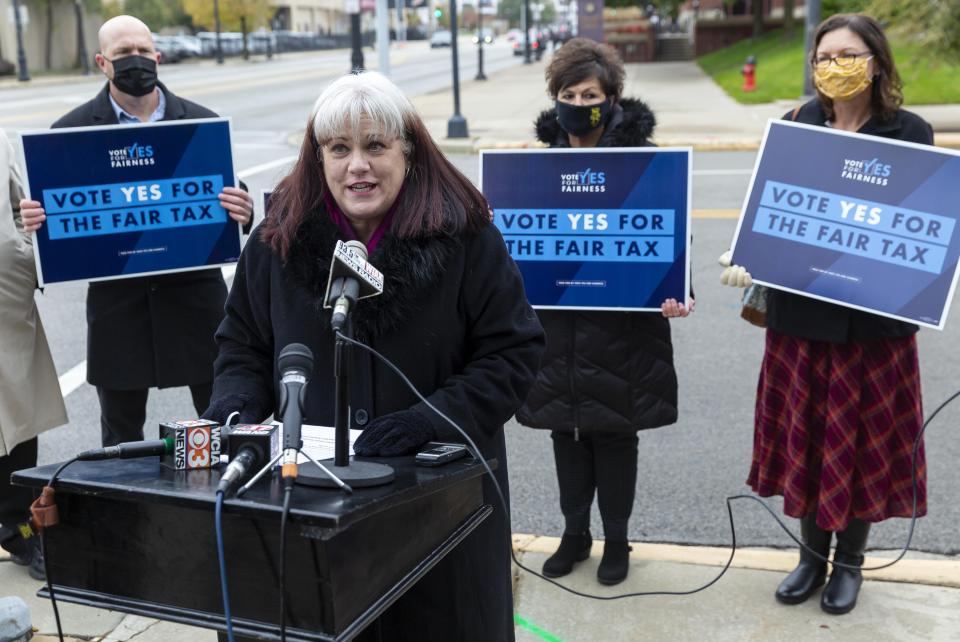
(841,593)
(574,547)
(810,572)
(615,562)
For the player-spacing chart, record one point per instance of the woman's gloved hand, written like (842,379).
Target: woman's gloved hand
(733,275)
(399,433)
(250,411)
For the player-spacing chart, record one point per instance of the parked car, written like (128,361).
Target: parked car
(513,35)
(536,40)
(441,38)
(167,48)
(487,37)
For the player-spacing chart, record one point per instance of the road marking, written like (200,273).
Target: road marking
(716,214)
(722,172)
(263,167)
(73,378)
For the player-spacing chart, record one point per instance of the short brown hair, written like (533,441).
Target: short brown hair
(887,89)
(580,59)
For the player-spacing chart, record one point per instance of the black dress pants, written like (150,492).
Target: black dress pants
(122,412)
(606,462)
(15,500)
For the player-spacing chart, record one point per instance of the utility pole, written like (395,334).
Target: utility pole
(81,39)
(383,36)
(457,125)
(356,46)
(525,25)
(216,20)
(480,75)
(23,74)
(810,28)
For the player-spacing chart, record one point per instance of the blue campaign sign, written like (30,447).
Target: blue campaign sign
(601,229)
(131,200)
(865,222)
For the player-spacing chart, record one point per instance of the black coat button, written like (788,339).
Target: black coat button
(361,417)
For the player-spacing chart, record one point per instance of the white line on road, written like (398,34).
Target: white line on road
(256,169)
(722,172)
(73,378)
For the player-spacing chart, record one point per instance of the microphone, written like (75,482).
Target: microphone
(295,363)
(129,449)
(351,278)
(196,444)
(250,447)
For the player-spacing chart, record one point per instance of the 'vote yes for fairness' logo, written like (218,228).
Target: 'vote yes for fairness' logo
(131,155)
(866,171)
(585,181)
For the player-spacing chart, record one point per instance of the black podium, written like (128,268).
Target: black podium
(139,538)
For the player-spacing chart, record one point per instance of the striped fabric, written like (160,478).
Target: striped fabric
(835,426)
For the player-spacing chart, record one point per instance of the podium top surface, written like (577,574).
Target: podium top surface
(146,480)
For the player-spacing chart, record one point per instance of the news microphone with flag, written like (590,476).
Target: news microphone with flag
(351,278)
(250,447)
(295,363)
(129,449)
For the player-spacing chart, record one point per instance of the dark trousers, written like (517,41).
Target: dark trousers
(122,412)
(15,500)
(606,462)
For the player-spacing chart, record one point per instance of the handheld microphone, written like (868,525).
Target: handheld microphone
(351,278)
(295,363)
(249,447)
(129,449)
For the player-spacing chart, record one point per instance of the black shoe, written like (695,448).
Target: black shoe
(615,562)
(842,590)
(30,556)
(811,572)
(574,547)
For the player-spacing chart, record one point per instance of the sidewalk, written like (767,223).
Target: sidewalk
(690,108)
(917,599)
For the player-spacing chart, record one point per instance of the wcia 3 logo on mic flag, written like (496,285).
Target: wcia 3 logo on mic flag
(132,200)
(602,229)
(865,222)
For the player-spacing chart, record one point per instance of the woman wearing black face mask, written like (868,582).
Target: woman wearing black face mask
(604,375)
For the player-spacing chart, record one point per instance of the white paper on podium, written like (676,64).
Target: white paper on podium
(318,441)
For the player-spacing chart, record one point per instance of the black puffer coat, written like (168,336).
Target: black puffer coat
(603,371)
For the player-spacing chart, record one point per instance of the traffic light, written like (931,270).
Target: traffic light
(438,12)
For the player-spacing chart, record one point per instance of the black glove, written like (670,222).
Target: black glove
(251,411)
(398,433)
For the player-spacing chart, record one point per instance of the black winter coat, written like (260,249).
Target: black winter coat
(453,316)
(815,320)
(152,331)
(603,371)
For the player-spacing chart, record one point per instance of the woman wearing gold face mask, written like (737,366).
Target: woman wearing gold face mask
(838,403)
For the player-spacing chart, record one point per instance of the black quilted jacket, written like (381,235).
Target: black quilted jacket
(603,371)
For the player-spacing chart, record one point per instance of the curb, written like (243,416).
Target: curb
(930,572)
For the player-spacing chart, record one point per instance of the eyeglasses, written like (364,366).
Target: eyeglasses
(843,60)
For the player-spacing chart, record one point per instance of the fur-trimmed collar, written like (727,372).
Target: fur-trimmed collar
(412,270)
(631,125)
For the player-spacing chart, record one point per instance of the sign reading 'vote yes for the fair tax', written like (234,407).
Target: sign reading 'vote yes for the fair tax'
(861,221)
(126,201)
(600,229)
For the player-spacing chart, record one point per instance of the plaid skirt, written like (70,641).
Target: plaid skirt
(835,426)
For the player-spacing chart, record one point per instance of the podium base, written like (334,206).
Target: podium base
(358,474)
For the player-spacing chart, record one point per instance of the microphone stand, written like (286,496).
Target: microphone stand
(341,469)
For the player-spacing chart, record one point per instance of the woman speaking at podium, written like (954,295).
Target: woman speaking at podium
(453,317)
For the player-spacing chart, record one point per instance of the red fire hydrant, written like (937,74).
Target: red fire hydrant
(749,72)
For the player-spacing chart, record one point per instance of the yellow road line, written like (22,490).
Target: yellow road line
(733,214)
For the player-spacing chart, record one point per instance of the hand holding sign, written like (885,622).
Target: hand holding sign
(736,276)
(32,215)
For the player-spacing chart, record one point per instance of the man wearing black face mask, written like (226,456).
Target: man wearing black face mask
(153,331)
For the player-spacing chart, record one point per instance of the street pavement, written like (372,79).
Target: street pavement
(686,470)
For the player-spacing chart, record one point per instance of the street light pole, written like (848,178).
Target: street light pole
(216,21)
(22,73)
(457,125)
(81,38)
(356,44)
(480,75)
(810,27)
(525,25)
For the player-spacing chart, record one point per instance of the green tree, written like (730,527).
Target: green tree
(934,24)
(510,10)
(235,15)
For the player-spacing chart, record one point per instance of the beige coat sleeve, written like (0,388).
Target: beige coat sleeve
(30,399)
